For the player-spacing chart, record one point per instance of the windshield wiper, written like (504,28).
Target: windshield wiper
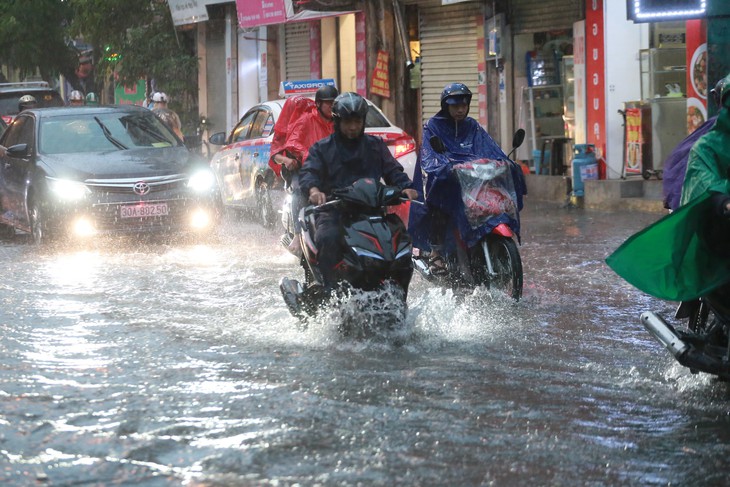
(108,134)
(148,128)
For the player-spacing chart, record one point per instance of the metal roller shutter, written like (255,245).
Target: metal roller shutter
(529,16)
(296,41)
(448,51)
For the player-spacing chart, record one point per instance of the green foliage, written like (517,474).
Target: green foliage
(142,42)
(146,44)
(33,36)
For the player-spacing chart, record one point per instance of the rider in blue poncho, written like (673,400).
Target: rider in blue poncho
(463,140)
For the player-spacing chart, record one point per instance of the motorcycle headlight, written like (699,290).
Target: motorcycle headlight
(66,190)
(202,181)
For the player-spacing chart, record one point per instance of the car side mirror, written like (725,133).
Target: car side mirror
(518,138)
(19,150)
(218,138)
(437,144)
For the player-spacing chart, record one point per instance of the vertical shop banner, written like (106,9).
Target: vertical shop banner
(697,88)
(634,141)
(315,50)
(380,84)
(579,81)
(361,55)
(595,76)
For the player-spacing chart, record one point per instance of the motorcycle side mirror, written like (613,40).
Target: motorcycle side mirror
(518,138)
(437,144)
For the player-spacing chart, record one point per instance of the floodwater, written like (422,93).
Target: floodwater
(164,364)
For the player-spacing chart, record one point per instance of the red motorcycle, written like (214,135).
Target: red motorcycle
(488,193)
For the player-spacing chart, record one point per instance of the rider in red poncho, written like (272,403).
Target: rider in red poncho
(301,124)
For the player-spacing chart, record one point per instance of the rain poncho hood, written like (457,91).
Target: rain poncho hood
(464,141)
(673,258)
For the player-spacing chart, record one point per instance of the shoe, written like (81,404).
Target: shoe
(295,247)
(291,243)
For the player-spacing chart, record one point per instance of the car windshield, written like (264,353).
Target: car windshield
(98,132)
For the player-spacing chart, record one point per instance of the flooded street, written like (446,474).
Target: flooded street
(177,364)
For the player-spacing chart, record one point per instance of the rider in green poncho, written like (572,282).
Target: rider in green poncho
(686,254)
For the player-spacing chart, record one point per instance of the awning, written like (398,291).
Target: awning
(254,14)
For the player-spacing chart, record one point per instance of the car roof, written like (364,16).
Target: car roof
(86,110)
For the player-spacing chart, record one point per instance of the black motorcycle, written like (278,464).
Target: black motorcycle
(376,259)
(701,346)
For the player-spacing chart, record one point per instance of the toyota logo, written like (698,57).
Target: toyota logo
(141,188)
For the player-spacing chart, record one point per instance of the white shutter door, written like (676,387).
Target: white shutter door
(448,51)
(296,40)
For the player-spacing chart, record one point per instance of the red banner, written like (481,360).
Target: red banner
(697,88)
(595,77)
(380,84)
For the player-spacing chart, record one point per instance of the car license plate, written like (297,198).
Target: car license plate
(143,211)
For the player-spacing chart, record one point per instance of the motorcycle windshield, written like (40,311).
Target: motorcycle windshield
(487,190)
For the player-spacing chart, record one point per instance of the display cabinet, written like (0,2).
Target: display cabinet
(660,69)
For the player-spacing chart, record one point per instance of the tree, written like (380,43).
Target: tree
(33,37)
(145,44)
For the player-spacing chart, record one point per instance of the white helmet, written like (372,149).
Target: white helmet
(159,97)
(76,95)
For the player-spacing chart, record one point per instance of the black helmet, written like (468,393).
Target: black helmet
(455,93)
(326,92)
(27,101)
(348,105)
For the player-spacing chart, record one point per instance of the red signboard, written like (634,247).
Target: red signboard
(595,77)
(252,13)
(380,84)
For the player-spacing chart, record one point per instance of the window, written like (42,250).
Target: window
(240,132)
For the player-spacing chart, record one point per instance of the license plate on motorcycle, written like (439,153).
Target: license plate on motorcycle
(143,211)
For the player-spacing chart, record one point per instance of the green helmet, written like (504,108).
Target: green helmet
(92,99)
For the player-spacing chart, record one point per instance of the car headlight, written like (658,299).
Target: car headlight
(201,181)
(66,190)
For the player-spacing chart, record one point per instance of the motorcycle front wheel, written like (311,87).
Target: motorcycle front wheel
(506,275)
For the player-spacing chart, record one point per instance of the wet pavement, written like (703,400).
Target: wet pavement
(163,364)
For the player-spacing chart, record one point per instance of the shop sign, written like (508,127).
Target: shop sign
(130,95)
(253,13)
(664,10)
(634,141)
(187,11)
(380,84)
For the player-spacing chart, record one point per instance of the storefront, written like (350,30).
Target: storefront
(673,98)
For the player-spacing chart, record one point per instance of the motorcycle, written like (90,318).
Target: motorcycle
(494,260)
(703,345)
(377,257)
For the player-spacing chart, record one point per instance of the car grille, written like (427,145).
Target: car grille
(126,186)
(109,195)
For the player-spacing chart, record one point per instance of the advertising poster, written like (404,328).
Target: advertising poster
(697,89)
(634,142)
